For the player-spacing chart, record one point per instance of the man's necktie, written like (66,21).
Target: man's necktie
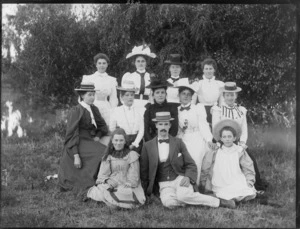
(163,140)
(142,89)
(185,108)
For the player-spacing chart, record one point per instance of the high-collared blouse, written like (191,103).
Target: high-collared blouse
(106,85)
(130,119)
(172,92)
(194,120)
(208,91)
(237,113)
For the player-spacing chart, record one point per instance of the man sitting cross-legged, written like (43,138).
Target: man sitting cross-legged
(165,160)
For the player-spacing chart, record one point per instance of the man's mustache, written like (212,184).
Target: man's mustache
(163,130)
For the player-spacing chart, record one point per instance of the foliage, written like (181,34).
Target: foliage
(253,45)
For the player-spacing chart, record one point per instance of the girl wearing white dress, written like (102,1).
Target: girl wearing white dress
(140,77)
(128,117)
(106,96)
(228,172)
(193,127)
(176,63)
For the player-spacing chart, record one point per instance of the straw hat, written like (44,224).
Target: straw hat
(162,117)
(127,85)
(185,85)
(226,122)
(143,50)
(230,87)
(86,86)
(176,59)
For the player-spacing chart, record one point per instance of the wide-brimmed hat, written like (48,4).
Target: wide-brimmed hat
(176,59)
(127,85)
(226,122)
(86,86)
(162,117)
(185,85)
(157,82)
(143,50)
(230,87)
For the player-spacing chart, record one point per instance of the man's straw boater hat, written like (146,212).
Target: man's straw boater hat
(226,122)
(127,85)
(143,50)
(176,59)
(162,117)
(86,86)
(230,87)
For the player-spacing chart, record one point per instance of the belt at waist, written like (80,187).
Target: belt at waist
(140,96)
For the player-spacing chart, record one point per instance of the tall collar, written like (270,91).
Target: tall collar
(139,71)
(230,107)
(84,104)
(209,80)
(101,74)
(128,108)
(189,104)
(160,104)
(175,77)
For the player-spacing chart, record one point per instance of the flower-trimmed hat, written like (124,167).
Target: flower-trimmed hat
(162,117)
(127,85)
(143,50)
(86,86)
(226,122)
(157,82)
(230,87)
(176,59)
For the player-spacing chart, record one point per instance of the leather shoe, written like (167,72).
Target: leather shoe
(227,203)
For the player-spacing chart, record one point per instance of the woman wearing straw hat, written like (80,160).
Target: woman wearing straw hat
(230,110)
(128,117)
(228,171)
(160,104)
(140,55)
(176,63)
(106,94)
(193,127)
(82,148)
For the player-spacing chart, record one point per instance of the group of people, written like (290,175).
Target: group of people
(183,142)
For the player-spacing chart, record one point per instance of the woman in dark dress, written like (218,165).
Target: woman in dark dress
(83,151)
(159,91)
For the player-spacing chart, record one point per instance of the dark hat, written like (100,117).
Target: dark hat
(86,86)
(230,87)
(226,122)
(156,82)
(176,59)
(162,117)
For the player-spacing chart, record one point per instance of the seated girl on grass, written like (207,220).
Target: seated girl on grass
(228,172)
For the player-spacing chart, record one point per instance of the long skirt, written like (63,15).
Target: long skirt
(197,148)
(72,178)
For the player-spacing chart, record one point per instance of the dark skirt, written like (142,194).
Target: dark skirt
(71,178)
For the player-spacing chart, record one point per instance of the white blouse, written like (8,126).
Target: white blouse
(237,113)
(130,119)
(106,85)
(195,120)
(208,91)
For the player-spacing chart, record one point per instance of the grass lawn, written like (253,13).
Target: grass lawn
(29,201)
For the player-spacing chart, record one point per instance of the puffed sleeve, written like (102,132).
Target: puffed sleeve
(195,85)
(133,173)
(221,97)
(247,166)
(216,112)
(174,124)
(72,132)
(203,124)
(244,126)
(141,131)
(102,128)
(205,178)
(125,77)
(147,121)
(104,171)
(113,99)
